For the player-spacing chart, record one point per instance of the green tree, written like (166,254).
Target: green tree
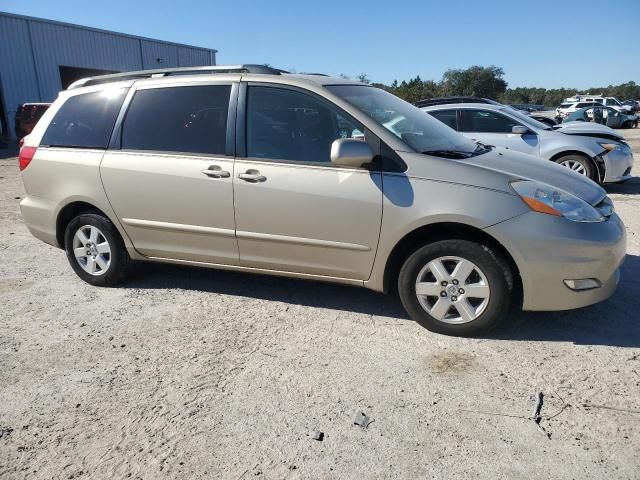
(475,81)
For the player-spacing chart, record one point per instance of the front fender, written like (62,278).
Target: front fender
(410,204)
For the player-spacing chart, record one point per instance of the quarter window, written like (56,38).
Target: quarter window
(288,125)
(85,120)
(448,117)
(486,121)
(178,119)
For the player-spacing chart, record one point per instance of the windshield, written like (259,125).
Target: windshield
(526,119)
(416,128)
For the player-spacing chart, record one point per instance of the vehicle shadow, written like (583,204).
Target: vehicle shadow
(278,289)
(614,322)
(630,187)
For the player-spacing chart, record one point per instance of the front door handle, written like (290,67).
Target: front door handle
(214,171)
(252,176)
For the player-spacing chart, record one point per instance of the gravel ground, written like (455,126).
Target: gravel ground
(195,373)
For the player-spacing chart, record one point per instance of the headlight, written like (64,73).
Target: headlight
(611,146)
(544,198)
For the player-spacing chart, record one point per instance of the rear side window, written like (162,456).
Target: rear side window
(178,119)
(85,120)
(448,117)
(486,121)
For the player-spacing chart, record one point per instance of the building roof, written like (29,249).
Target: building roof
(99,30)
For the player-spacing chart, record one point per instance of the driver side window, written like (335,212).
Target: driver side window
(485,121)
(285,124)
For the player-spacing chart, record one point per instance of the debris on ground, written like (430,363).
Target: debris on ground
(5,431)
(317,435)
(361,419)
(536,417)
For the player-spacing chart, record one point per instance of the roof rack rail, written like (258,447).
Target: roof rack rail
(164,72)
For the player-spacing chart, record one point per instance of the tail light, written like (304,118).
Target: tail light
(25,157)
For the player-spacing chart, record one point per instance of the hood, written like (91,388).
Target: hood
(527,167)
(588,129)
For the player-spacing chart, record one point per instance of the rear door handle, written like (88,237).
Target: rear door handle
(214,171)
(252,176)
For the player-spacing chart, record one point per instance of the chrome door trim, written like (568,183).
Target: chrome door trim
(178,227)
(302,241)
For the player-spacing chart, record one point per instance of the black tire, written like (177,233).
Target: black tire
(119,261)
(584,161)
(495,268)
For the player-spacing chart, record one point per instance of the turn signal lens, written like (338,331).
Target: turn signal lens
(609,146)
(538,206)
(25,157)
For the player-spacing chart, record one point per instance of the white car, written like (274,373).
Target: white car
(593,150)
(604,101)
(567,108)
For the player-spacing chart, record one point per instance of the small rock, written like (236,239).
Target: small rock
(317,435)
(122,346)
(5,431)
(361,420)
(110,338)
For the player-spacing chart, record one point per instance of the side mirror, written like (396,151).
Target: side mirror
(519,130)
(348,152)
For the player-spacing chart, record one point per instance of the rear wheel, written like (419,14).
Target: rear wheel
(95,250)
(578,164)
(456,287)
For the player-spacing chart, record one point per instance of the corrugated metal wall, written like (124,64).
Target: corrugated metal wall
(32,50)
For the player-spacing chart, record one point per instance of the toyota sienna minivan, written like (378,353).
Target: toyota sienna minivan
(253,169)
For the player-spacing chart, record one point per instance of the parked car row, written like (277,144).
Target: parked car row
(578,102)
(604,116)
(595,151)
(252,169)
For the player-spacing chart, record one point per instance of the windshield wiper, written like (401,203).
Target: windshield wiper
(448,153)
(483,147)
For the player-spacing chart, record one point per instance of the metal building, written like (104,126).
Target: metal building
(40,57)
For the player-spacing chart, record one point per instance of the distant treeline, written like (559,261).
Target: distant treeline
(489,82)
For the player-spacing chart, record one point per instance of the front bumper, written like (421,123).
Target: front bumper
(617,165)
(549,250)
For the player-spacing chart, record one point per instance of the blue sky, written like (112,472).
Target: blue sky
(544,43)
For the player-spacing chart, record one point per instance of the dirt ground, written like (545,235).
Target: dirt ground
(194,373)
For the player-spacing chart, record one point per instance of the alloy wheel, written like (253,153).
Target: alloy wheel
(452,290)
(575,166)
(92,250)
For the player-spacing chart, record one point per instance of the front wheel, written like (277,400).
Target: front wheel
(578,164)
(95,250)
(456,287)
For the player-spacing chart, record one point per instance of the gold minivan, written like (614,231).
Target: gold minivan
(253,169)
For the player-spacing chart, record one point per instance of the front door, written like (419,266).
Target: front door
(295,211)
(493,128)
(171,182)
